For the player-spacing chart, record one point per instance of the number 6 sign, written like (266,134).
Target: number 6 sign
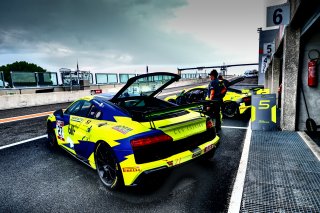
(278,15)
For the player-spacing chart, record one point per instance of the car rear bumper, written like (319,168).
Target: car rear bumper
(134,173)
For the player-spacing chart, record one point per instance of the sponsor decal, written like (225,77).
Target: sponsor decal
(76,119)
(131,169)
(208,148)
(122,129)
(189,128)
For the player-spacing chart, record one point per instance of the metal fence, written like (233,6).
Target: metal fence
(33,79)
(106,78)
(123,78)
(21,79)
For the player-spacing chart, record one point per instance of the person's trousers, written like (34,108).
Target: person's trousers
(215,115)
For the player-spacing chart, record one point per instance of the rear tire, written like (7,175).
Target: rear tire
(107,167)
(230,109)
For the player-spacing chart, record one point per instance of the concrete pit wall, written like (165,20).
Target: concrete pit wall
(28,97)
(312,94)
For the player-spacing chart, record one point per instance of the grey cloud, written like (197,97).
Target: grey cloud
(87,28)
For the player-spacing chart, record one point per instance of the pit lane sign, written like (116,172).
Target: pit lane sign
(264,112)
(278,15)
(265,60)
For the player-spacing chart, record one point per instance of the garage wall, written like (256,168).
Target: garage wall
(312,94)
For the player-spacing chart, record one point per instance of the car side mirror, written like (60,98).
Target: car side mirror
(58,112)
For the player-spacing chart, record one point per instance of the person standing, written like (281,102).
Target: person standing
(225,81)
(214,94)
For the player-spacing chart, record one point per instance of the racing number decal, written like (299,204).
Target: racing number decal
(264,104)
(59,126)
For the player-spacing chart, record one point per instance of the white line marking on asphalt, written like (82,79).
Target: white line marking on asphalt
(236,196)
(311,144)
(234,127)
(21,142)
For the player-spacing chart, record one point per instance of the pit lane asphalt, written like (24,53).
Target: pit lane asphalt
(36,179)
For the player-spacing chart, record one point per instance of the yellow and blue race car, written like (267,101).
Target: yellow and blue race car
(132,133)
(235,102)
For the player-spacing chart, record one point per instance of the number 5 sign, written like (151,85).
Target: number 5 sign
(278,15)
(264,112)
(268,48)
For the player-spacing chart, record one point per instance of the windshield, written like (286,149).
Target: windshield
(146,86)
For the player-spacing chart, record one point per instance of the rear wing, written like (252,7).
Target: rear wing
(154,115)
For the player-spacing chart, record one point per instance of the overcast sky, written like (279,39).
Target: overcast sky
(127,35)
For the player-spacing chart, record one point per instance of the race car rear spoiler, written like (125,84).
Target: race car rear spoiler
(153,115)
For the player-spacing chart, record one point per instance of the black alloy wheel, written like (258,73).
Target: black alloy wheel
(107,166)
(52,139)
(230,109)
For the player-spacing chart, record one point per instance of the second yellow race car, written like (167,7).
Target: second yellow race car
(235,101)
(132,134)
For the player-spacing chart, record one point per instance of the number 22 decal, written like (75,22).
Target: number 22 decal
(59,127)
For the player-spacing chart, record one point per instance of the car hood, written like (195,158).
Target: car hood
(146,85)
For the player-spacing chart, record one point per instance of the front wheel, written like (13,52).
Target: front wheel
(230,109)
(107,167)
(52,139)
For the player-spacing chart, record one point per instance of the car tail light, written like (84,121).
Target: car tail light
(210,124)
(247,100)
(140,142)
